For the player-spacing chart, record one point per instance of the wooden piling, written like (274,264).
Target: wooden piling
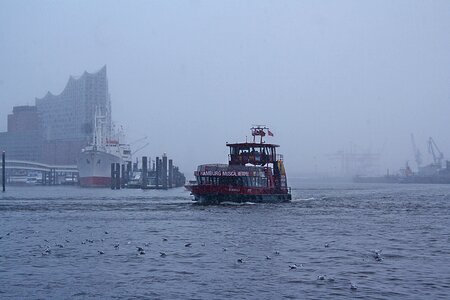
(113,176)
(117,176)
(164,171)
(50,177)
(157,167)
(170,184)
(129,174)
(3,171)
(144,172)
(55,177)
(123,178)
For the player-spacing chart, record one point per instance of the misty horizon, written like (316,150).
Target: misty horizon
(193,75)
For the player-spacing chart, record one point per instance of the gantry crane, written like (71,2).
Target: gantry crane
(433,149)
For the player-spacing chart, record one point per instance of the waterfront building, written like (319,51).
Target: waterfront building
(25,145)
(23,119)
(69,116)
(56,129)
(22,141)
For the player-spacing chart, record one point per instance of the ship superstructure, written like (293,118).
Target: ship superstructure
(94,161)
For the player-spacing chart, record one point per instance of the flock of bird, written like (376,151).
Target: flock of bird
(376,254)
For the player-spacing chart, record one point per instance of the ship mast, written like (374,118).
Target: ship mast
(98,128)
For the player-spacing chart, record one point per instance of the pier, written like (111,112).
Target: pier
(160,173)
(17,172)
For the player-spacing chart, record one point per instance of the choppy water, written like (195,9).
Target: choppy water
(329,230)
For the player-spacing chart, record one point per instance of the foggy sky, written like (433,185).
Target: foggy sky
(192,75)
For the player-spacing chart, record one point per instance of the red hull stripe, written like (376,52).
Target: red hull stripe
(234,190)
(95,181)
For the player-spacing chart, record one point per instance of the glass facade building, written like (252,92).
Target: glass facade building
(56,129)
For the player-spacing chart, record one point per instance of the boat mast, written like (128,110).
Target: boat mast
(258,130)
(98,138)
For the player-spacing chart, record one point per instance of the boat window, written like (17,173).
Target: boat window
(248,181)
(255,181)
(235,181)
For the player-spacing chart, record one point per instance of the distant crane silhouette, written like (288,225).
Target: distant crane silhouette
(140,148)
(433,149)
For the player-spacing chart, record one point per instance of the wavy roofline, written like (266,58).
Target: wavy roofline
(71,80)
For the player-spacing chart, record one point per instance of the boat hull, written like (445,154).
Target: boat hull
(216,194)
(242,198)
(95,181)
(94,168)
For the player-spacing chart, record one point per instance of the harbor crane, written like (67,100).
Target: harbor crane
(140,148)
(417,154)
(138,140)
(433,149)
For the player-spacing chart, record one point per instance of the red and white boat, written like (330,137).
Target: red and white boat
(254,173)
(94,161)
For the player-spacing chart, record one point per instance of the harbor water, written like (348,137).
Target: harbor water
(333,241)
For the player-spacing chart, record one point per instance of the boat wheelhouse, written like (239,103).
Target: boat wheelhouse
(254,173)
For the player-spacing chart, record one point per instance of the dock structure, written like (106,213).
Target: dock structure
(20,172)
(159,173)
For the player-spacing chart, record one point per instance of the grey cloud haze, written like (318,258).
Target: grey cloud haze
(191,75)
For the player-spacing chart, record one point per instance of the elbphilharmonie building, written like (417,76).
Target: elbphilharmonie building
(63,123)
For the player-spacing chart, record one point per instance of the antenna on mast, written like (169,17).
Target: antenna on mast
(258,130)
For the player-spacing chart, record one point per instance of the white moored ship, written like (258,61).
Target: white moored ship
(94,161)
